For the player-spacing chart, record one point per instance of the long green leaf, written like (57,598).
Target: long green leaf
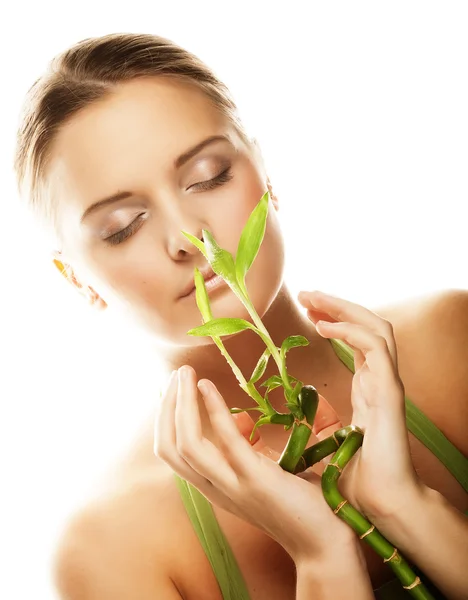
(251,238)
(196,242)
(221,261)
(218,327)
(201,296)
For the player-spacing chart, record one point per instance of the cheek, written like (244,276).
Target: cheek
(265,277)
(231,214)
(134,278)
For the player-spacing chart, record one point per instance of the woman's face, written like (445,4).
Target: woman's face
(131,249)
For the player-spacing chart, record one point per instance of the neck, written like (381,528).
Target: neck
(314,364)
(283,318)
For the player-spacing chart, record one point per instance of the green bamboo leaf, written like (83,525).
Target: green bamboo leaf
(196,242)
(261,366)
(296,411)
(274,380)
(251,238)
(291,342)
(296,392)
(218,327)
(201,296)
(221,261)
(259,423)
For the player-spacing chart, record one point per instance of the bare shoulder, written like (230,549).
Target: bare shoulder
(431,333)
(118,547)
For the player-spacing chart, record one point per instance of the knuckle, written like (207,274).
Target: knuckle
(387,327)
(185,449)
(160,452)
(381,342)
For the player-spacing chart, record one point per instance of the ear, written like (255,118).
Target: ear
(92,297)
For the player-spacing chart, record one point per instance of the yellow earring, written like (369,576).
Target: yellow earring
(60,267)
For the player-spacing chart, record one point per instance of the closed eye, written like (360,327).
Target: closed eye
(120,236)
(223,177)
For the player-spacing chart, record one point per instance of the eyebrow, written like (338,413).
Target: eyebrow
(178,163)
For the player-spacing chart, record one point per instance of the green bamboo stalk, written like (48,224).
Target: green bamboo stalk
(295,446)
(302,400)
(364,528)
(325,447)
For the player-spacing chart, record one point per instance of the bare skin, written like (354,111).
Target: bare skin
(140,497)
(129,142)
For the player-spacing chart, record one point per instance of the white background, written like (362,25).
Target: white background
(361,112)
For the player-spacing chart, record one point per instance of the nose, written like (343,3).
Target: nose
(186,247)
(176,219)
(179,246)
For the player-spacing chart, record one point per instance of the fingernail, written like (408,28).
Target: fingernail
(309,295)
(183,374)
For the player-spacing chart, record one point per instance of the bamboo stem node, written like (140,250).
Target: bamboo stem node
(332,464)
(416,582)
(340,506)
(370,530)
(394,555)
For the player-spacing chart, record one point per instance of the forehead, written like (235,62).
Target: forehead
(143,124)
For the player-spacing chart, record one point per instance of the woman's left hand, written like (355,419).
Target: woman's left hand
(245,479)
(380,478)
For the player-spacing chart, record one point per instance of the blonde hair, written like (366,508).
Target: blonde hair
(85,73)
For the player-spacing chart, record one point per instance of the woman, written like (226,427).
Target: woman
(125,142)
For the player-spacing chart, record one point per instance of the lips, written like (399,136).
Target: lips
(207,273)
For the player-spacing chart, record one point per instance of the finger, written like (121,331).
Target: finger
(164,432)
(325,419)
(344,310)
(233,445)
(199,452)
(374,347)
(187,414)
(165,445)
(315,316)
(318,315)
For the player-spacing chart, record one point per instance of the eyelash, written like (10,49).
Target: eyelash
(223,177)
(121,236)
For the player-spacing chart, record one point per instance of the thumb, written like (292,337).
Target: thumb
(245,424)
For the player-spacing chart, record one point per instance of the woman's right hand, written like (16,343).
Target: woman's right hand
(245,479)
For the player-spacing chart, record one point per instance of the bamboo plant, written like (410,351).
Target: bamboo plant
(301,400)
